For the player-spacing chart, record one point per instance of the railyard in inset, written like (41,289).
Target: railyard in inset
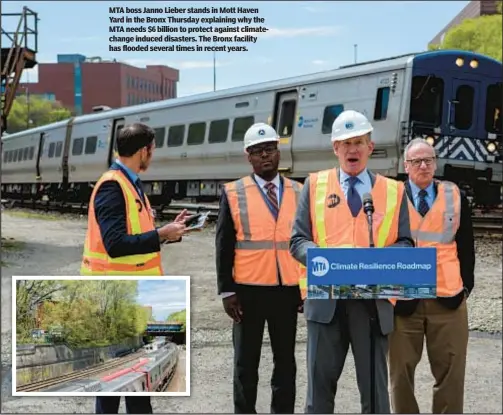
(52,244)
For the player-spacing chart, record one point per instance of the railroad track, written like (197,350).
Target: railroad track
(36,386)
(482,223)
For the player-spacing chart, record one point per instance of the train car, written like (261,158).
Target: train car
(451,98)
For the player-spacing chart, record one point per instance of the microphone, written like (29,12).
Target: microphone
(368,208)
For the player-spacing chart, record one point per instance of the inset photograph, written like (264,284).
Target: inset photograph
(101,336)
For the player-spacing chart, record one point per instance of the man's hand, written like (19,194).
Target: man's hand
(172,231)
(300,307)
(232,307)
(181,216)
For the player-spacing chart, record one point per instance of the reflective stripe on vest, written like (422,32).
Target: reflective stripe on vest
(262,243)
(438,229)
(351,232)
(96,260)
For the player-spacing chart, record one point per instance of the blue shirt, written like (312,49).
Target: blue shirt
(364,185)
(132,175)
(430,197)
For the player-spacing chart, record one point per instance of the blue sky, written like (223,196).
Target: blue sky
(305,37)
(164,296)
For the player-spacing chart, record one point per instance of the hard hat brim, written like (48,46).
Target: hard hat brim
(263,140)
(352,134)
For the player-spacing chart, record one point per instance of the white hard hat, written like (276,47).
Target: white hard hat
(260,133)
(350,124)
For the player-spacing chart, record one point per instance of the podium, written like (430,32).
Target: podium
(371,274)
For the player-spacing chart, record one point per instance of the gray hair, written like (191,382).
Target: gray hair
(415,142)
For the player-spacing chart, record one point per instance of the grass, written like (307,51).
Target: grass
(10,245)
(33,215)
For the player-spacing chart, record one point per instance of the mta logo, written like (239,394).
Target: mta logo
(349,125)
(319,266)
(261,132)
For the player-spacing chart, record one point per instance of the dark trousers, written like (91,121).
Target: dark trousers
(277,306)
(134,404)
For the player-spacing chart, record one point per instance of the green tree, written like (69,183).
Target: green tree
(34,112)
(179,316)
(481,35)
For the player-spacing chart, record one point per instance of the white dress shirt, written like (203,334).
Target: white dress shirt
(261,183)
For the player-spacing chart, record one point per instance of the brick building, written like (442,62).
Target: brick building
(470,11)
(81,84)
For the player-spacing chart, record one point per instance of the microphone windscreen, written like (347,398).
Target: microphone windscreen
(367,197)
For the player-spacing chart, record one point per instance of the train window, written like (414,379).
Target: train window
(15,156)
(426,100)
(11,156)
(175,135)
(78,146)
(329,115)
(494,122)
(52,147)
(463,113)
(382,101)
(25,153)
(5,156)
(32,152)
(287,118)
(159,137)
(91,144)
(240,126)
(59,148)
(196,133)
(218,131)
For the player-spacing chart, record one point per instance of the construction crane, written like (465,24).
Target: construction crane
(20,53)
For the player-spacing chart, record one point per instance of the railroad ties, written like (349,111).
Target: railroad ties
(148,370)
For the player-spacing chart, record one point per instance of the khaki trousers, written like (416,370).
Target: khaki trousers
(446,333)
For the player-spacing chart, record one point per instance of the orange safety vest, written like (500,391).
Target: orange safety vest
(139,219)
(333,223)
(262,242)
(437,229)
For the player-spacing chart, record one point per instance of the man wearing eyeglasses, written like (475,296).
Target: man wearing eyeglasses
(257,277)
(440,217)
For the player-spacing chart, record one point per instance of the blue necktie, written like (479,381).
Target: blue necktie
(354,199)
(423,207)
(139,186)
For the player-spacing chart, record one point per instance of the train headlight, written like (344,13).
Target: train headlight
(430,140)
(474,64)
(460,62)
(491,147)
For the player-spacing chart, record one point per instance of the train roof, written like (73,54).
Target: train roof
(362,68)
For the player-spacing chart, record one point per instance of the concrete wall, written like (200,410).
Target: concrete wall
(39,362)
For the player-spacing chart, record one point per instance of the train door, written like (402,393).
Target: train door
(39,156)
(284,123)
(118,124)
(463,108)
(64,158)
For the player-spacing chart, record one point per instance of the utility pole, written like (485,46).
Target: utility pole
(356,52)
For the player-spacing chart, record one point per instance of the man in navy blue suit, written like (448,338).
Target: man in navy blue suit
(135,147)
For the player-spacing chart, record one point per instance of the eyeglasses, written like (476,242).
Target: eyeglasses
(417,162)
(258,151)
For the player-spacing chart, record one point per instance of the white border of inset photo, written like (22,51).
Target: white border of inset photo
(86,278)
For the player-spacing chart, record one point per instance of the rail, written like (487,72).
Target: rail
(94,370)
(482,223)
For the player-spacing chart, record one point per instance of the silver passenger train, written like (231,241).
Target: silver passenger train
(451,98)
(151,374)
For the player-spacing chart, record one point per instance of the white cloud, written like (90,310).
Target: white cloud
(30,75)
(165,297)
(319,62)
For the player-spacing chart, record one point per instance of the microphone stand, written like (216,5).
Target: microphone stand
(372,309)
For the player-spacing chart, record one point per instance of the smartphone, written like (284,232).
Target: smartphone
(191,220)
(199,222)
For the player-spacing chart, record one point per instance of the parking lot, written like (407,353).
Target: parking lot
(52,245)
